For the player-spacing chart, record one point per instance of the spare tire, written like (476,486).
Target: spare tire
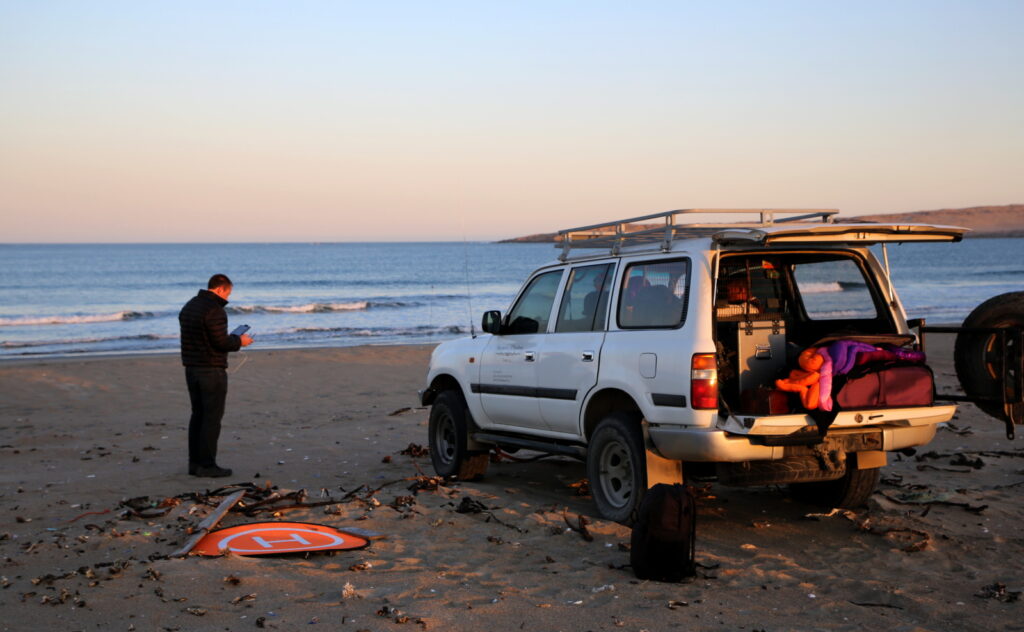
(977,356)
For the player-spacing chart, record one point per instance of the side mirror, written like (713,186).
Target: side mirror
(491,322)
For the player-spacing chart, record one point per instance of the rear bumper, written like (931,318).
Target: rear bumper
(775,425)
(709,445)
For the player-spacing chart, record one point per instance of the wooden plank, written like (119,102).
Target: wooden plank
(365,534)
(209,523)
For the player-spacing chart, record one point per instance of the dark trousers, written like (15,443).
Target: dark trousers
(207,388)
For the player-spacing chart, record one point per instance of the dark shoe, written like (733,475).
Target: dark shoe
(192,467)
(212,471)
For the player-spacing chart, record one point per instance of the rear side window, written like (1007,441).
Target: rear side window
(654,294)
(531,313)
(834,290)
(585,300)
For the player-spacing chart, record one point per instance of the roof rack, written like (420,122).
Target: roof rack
(633,231)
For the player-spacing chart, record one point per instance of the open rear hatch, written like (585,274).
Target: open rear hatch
(853,234)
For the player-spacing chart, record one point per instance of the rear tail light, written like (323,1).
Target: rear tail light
(704,381)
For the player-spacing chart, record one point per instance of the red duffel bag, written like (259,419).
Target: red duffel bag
(888,387)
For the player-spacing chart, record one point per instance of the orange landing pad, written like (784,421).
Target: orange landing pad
(266,538)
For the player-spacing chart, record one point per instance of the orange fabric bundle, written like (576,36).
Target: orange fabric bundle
(806,380)
(810,359)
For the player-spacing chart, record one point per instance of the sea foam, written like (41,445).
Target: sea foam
(73,320)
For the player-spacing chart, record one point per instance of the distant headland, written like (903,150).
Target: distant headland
(984,221)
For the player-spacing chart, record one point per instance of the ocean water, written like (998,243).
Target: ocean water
(94,299)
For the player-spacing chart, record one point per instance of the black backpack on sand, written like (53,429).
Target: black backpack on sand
(664,536)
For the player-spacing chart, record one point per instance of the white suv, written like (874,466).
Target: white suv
(632,352)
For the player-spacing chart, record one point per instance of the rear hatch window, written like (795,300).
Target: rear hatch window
(833,289)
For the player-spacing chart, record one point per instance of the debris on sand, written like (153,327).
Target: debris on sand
(998,592)
(919,540)
(424,483)
(146,509)
(930,498)
(581,487)
(868,604)
(241,598)
(953,428)
(402,501)
(580,525)
(406,409)
(469,506)
(415,450)
(962,459)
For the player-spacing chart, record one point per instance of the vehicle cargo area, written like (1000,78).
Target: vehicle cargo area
(805,339)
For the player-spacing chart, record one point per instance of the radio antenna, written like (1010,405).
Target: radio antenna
(465,269)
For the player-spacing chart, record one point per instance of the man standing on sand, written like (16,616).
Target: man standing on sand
(205,344)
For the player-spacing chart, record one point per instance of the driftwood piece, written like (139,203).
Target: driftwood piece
(365,534)
(923,499)
(580,527)
(209,523)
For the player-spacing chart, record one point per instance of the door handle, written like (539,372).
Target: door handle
(587,356)
(529,356)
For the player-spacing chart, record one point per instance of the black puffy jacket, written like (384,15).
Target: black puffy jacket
(205,341)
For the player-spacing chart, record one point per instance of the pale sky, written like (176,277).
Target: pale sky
(337,121)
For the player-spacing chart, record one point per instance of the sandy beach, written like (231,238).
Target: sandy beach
(938,548)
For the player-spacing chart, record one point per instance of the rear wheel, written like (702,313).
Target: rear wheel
(850,491)
(978,357)
(616,466)
(449,433)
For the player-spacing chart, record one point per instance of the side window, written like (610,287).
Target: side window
(834,290)
(585,300)
(654,294)
(750,288)
(531,313)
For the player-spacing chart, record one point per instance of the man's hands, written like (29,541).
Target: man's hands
(246,340)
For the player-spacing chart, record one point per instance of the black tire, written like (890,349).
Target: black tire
(849,492)
(448,430)
(617,467)
(976,356)
(794,469)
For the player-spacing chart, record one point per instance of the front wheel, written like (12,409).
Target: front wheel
(616,466)
(449,433)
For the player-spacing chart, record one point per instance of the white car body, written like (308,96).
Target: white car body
(553,387)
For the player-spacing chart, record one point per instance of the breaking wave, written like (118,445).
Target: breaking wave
(314,308)
(820,288)
(74,320)
(997,272)
(828,287)
(83,341)
(842,313)
(424,330)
